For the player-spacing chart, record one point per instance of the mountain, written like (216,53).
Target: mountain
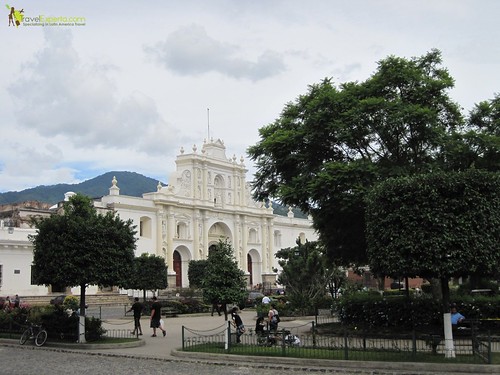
(130,183)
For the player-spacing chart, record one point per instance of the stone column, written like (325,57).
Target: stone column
(205,235)
(196,234)
(270,242)
(265,265)
(170,239)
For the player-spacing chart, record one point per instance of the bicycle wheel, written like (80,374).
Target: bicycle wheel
(25,336)
(41,337)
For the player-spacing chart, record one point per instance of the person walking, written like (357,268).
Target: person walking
(137,308)
(237,323)
(216,306)
(156,317)
(273,318)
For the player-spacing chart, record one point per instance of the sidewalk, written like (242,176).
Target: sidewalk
(162,347)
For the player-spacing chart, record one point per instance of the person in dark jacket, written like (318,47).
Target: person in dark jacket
(137,308)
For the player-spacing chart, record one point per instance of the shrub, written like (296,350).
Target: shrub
(371,311)
(71,303)
(377,311)
(93,329)
(427,288)
(192,305)
(59,324)
(15,319)
(184,306)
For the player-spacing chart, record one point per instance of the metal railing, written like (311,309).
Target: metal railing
(304,342)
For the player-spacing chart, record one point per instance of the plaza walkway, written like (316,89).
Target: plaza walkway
(166,350)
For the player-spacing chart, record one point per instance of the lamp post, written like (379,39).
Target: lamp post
(10,225)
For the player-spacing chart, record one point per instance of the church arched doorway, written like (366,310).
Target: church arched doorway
(249,269)
(254,267)
(178,269)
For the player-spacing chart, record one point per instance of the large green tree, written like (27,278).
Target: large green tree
(305,273)
(437,225)
(223,281)
(329,147)
(478,143)
(81,247)
(149,272)
(196,272)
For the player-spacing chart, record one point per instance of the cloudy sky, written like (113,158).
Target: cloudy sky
(126,90)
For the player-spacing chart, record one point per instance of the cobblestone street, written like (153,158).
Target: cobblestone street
(36,361)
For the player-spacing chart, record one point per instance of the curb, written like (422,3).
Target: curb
(325,365)
(295,364)
(78,346)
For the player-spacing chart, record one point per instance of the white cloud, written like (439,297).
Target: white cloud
(57,94)
(191,51)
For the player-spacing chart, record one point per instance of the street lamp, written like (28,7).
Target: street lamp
(10,225)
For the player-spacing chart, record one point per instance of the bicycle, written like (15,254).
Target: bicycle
(36,332)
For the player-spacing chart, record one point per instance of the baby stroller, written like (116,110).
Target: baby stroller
(292,340)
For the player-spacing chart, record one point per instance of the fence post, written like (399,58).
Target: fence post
(283,343)
(490,359)
(414,342)
(183,341)
(227,346)
(346,346)
(314,334)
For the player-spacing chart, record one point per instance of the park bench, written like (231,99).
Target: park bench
(168,312)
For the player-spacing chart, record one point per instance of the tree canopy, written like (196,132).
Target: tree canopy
(223,281)
(196,272)
(331,145)
(478,143)
(438,225)
(81,247)
(149,272)
(305,273)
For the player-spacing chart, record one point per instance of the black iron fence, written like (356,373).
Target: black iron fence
(303,341)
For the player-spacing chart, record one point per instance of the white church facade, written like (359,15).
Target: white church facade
(207,199)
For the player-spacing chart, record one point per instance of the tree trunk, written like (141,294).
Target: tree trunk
(436,289)
(81,325)
(224,307)
(449,348)
(381,283)
(407,284)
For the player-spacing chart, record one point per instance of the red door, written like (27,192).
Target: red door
(249,268)
(178,269)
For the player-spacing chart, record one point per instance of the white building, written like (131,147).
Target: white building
(208,198)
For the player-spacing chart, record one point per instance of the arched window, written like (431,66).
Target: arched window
(182,230)
(145,227)
(277,239)
(252,236)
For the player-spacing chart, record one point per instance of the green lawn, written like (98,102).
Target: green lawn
(336,354)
